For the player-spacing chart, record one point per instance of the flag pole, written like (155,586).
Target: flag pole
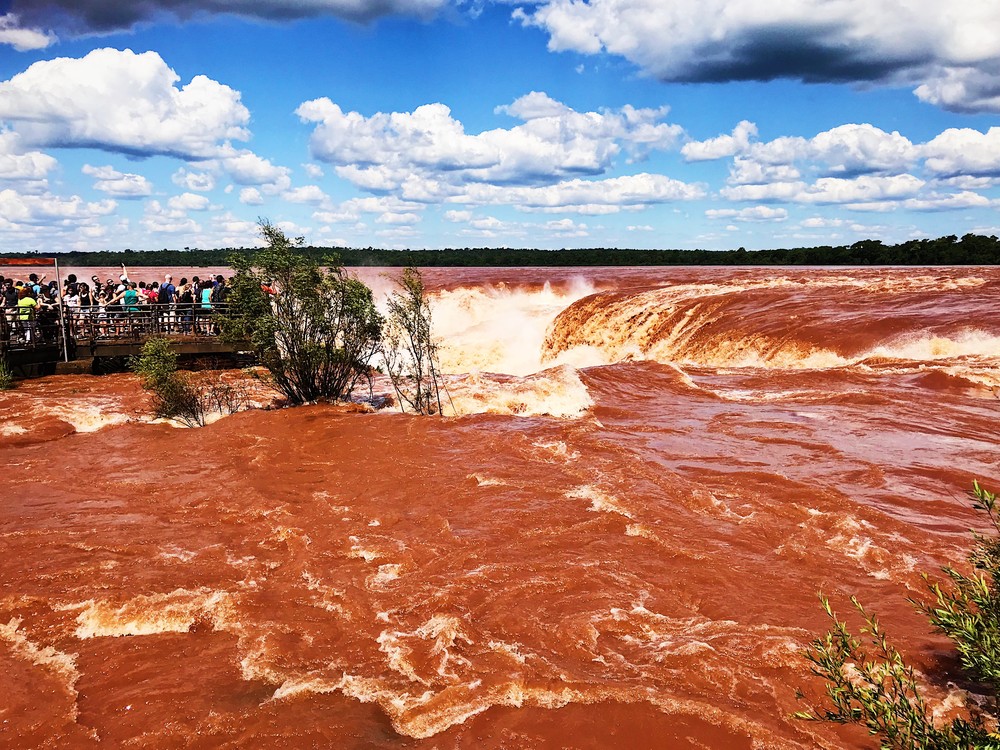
(62,317)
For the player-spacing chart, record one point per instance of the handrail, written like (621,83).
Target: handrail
(114,322)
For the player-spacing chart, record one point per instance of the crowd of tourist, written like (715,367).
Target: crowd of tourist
(109,307)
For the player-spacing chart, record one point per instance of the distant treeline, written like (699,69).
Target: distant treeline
(971,249)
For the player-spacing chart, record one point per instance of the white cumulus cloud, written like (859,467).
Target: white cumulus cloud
(118,184)
(853,148)
(755,213)
(50,210)
(251,197)
(587,196)
(199,182)
(964,151)
(17,164)
(189,202)
(723,145)
(865,189)
(948,49)
(23,39)
(386,151)
(248,168)
(305,194)
(120,101)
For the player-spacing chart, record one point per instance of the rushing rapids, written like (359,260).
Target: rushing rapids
(617,542)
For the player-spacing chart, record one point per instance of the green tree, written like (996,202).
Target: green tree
(314,330)
(868,683)
(174,396)
(409,349)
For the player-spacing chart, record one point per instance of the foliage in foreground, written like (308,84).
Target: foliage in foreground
(175,396)
(6,375)
(409,349)
(869,684)
(314,330)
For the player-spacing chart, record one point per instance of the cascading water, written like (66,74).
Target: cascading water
(617,543)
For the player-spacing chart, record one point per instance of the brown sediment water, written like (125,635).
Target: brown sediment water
(616,542)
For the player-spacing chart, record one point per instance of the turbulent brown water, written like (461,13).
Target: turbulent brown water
(616,544)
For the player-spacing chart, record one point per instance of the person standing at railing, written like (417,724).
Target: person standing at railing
(220,293)
(88,310)
(71,306)
(148,295)
(126,304)
(26,306)
(71,298)
(9,298)
(47,313)
(101,308)
(167,301)
(130,298)
(205,310)
(185,305)
(36,282)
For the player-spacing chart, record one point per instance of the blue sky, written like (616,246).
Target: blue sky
(558,123)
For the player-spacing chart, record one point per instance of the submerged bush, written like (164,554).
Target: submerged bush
(869,684)
(174,397)
(409,349)
(6,375)
(314,330)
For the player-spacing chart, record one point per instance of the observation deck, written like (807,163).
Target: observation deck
(107,336)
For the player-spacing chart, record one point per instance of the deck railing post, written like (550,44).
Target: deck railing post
(63,332)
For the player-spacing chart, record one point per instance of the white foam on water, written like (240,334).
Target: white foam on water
(498,328)
(600,501)
(557,449)
(673,325)
(854,538)
(173,612)
(89,417)
(57,663)
(512,650)
(359,551)
(724,508)
(484,481)
(386,574)
(328,598)
(969,342)
(173,552)
(440,637)
(758,396)
(423,708)
(556,392)
(984,376)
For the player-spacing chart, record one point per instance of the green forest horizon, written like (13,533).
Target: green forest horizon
(971,250)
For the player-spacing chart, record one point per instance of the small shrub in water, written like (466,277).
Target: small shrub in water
(6,376)
(174,397)
(868,683)
(226,398)
(409,349)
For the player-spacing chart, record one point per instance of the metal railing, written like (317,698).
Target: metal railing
(135,323)
(29,330)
